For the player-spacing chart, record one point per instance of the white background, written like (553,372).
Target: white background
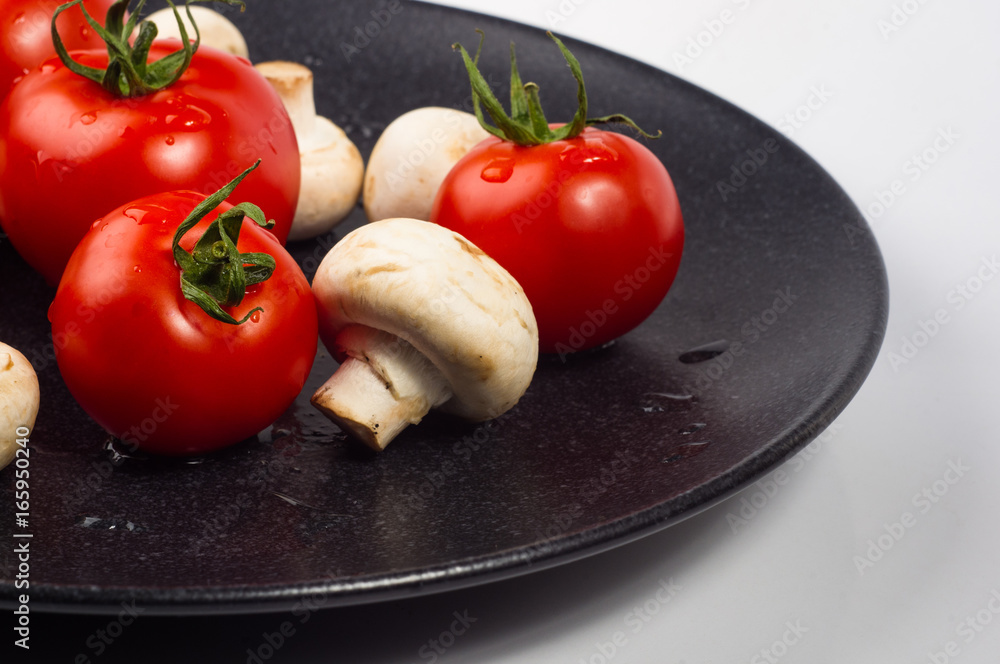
(846,560)
(805,557)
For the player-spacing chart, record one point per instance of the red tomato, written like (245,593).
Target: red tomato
(152,367)
(589,226)
(26,26)
(70,151)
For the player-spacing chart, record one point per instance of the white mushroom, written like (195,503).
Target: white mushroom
(216,30)
(420,318)
(411,158)
(18,401)
(332,168)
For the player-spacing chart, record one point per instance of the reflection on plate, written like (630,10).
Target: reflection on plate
(775,319)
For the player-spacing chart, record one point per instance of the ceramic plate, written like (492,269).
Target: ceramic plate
(772,325)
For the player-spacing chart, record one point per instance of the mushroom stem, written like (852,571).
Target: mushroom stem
(332,167)
(294,84)
(383,386)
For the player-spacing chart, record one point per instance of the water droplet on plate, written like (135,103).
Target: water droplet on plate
(97,523)
(118,452)
(705,352)
(685,451)
(657,402)
(498,170)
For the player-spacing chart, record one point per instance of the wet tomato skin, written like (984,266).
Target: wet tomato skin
(591,228)
(150,366)
(26,26)
(70,151)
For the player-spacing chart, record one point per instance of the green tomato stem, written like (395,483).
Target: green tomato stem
(129,74)
(215,274)
(526,124)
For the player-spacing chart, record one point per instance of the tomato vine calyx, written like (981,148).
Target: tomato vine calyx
(215,274)
(526,124)
(128,73)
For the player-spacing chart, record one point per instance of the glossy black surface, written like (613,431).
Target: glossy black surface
(604,448)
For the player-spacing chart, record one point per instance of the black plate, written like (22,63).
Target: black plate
(610,446)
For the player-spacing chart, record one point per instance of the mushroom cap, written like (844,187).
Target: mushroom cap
(216,30)
(19,396)
(412,157)
(444,296)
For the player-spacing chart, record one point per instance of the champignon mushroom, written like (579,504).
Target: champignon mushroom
(411,158)
(18,400)
(420,318)
(332,168)
(216,30)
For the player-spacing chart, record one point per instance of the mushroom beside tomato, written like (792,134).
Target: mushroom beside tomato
(586,220)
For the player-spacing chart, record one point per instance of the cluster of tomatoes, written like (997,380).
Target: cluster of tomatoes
(110,181)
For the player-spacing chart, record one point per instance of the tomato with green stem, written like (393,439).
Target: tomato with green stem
(178,345)
(587,220)
(83,134)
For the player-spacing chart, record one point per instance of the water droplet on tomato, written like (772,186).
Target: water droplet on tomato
(20,18)
(255,317)
(189,118)
(48,69)
(84,32)
(136,269)
(498,170)
(88,118)
(169,140)
(134,213)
